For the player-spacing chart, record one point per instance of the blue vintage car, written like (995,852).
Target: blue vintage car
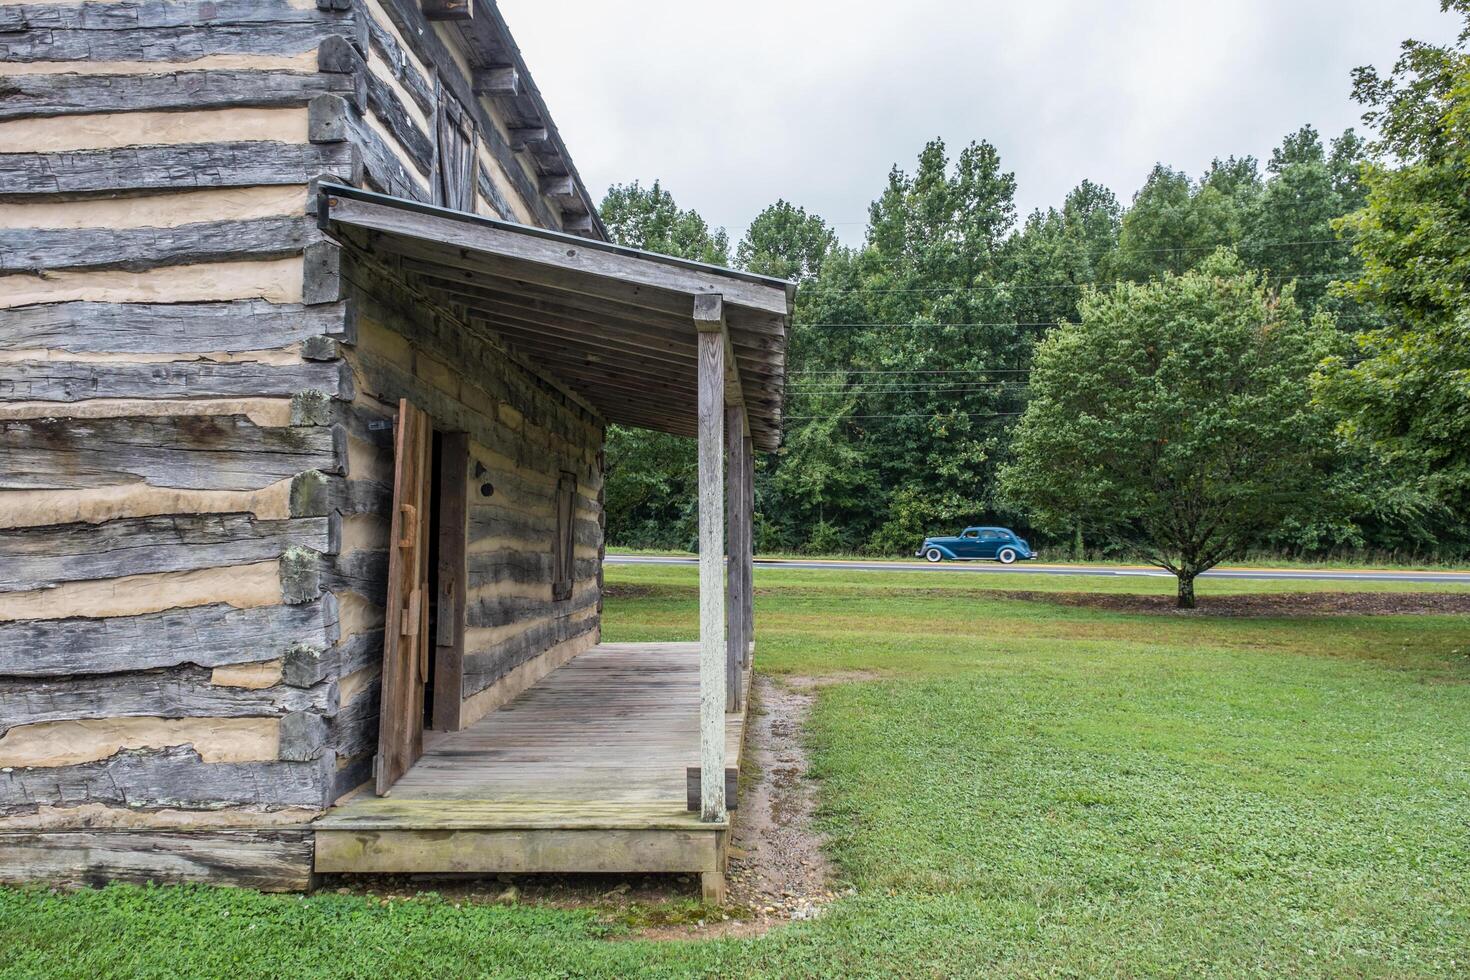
(995,543)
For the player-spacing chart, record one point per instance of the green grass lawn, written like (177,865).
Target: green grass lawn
(1022,789)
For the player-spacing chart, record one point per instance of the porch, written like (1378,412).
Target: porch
(588,770)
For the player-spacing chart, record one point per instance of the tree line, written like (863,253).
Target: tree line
(1266,356)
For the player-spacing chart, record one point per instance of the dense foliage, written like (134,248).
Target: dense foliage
(911,355)
(1170,418)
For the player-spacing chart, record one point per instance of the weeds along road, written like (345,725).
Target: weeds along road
(1024,568)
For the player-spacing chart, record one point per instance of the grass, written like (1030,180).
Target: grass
(1024,789)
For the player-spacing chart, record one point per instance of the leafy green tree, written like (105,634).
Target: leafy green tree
(786,242)
(1059,251)
(1175,223)
(1406,395)
(648,218)
(651,481)
(1175,418)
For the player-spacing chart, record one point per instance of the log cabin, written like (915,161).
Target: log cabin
(310,335)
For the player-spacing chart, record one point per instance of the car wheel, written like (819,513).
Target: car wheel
(934,556)
(1006,556)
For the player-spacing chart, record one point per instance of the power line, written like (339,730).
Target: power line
(921,371)
(918,415)
(1281,280)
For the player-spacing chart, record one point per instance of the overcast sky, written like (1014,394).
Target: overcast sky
(734,104)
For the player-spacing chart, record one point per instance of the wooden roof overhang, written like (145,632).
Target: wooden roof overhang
(613,324)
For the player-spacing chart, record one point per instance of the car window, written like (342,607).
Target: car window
(989,535)
(970,534)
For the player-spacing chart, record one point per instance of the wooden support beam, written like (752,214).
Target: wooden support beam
(737,519)
(497,80)
(577,222)
(747,553)
(448,9)
(558,185)
(524,136)
(709,320)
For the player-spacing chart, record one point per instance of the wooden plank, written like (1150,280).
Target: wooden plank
(139,249)
(207,636)
(709,319)
(484,667)
(174,692)
(448,9)
(393,813)
(694,792)
(183,328)
(401,64)
(43,557)
(516,851)
(70,381)
(384,103)
(174,777)
(208,452)
(405,642)
(178,167)
(747,557)
(165,30)
(584,267)
(454,476)
(267,860)
(27,96)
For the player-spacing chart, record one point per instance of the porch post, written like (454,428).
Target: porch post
(747,554)
(739,529)
(709,319)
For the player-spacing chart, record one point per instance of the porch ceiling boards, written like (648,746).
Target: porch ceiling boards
(613,324)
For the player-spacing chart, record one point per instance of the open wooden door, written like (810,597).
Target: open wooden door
(406,630)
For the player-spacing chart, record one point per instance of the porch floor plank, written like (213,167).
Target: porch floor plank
(601,743)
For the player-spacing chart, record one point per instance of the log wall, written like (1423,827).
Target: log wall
(191,486)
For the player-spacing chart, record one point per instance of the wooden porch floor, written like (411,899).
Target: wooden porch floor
(584,771)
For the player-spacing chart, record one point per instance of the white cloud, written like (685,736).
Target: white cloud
(735,104)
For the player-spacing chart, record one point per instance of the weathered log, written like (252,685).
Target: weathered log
(208,636)
(268,859)
(495,521)
(137,249)
(193,165)
(25,96)
(385,104)
(158,328)
(491,193)
(70,381)
(525,567)
(354,729)
(502,610)
(485,666)
(177,692)
(307,666)
(303,736)
(166,30)
(42,557)
(381,167)
(175,777)
(209,452)
(419,88)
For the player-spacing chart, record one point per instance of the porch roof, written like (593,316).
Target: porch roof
(613,324)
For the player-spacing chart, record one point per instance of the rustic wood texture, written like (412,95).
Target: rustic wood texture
(712,678)
(25,96)
(70,381)
(517,851)
(207,636)
(737,528)
(175,328)
(172,777)
(190,166)
(42,557)
(406,637)
(266,860)
(211,452)
(617,726)
(137,249)
(174,692)
(454,476)
(166,30)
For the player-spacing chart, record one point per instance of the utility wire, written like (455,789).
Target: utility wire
(918,415)
(1277,280)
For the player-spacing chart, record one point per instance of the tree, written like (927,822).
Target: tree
(1175,418)
(648,218)
(1174,223)
(651,476)
(786,242)
(1407,395)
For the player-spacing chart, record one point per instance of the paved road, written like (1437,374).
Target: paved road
(1029,568)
